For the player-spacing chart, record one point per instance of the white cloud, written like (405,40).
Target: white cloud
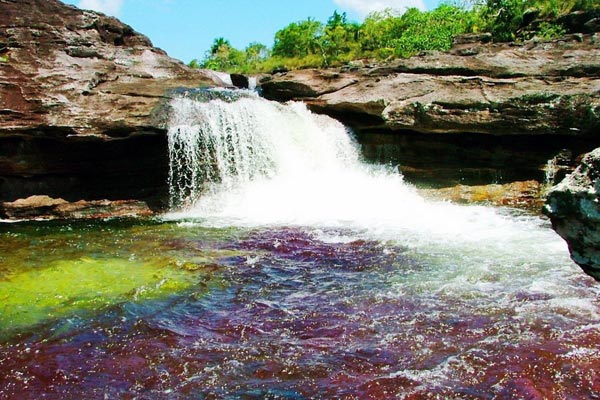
(108,7)
(364,7)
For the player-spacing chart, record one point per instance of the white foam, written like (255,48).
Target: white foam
(253,163)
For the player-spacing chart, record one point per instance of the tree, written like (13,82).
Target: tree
(379,30)
(298,39)
(222,56)
(433,30)
(503,17)
(219,44)
(339,39)
(256,53)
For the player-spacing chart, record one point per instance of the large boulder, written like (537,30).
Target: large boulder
(82,100)
(574,209)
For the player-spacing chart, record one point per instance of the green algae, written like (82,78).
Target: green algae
(54,271)
(86,285)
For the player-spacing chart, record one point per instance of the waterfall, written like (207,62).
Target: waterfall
(249,162)
(222,144)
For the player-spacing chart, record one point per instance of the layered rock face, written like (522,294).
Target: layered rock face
(81,100)
(46,208)
(574,208)
(501,89)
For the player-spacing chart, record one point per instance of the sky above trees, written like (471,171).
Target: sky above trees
(186,28)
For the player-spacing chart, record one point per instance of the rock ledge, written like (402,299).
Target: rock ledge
(574,209)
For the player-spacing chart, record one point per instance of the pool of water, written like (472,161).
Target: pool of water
(181,309)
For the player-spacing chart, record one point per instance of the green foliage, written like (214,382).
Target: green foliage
(549,30)
(503,17)
(388,34)
(223,57)
(340,39)
(379,30)
(431,30)
(522,19)
(298,39)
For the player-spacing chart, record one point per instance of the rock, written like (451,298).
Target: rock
(593,25)
(240,81)
(526,195)
(47,208)
(546,88)
(82,105)
(309,83)
(559,166)
(471,38)
(57,54)
(574,209)
(581,21)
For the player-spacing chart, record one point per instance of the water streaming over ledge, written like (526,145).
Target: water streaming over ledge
(251,162)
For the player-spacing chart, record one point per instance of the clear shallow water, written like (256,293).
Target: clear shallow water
(293,313)
(291,270)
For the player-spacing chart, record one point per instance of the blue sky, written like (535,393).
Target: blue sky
(187,28)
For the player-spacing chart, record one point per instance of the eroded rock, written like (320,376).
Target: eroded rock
(535,88)
(48,208)
(574,209)
(82,105)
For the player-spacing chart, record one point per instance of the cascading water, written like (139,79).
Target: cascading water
(220,147)
(252,162)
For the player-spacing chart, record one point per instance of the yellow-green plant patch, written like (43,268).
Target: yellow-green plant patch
(86,285)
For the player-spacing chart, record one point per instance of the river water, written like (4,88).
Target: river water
(290,269)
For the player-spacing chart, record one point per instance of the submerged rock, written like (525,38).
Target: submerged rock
(574,209)
(527,194)
(47,208)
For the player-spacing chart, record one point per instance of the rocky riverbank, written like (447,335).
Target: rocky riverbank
(533,88)
(574,208)
(46,208)
(81,98)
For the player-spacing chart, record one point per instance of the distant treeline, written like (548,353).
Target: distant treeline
(388,34)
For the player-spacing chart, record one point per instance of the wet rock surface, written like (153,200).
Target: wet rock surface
(574,208)
(47,208)
(465,159)
(526,195)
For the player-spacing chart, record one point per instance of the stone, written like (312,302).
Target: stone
(559,166)
(471,38)
(83,102)
(240,81)
(537,88)
(526,195)
(581,21)
(574,209)
(42,207)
